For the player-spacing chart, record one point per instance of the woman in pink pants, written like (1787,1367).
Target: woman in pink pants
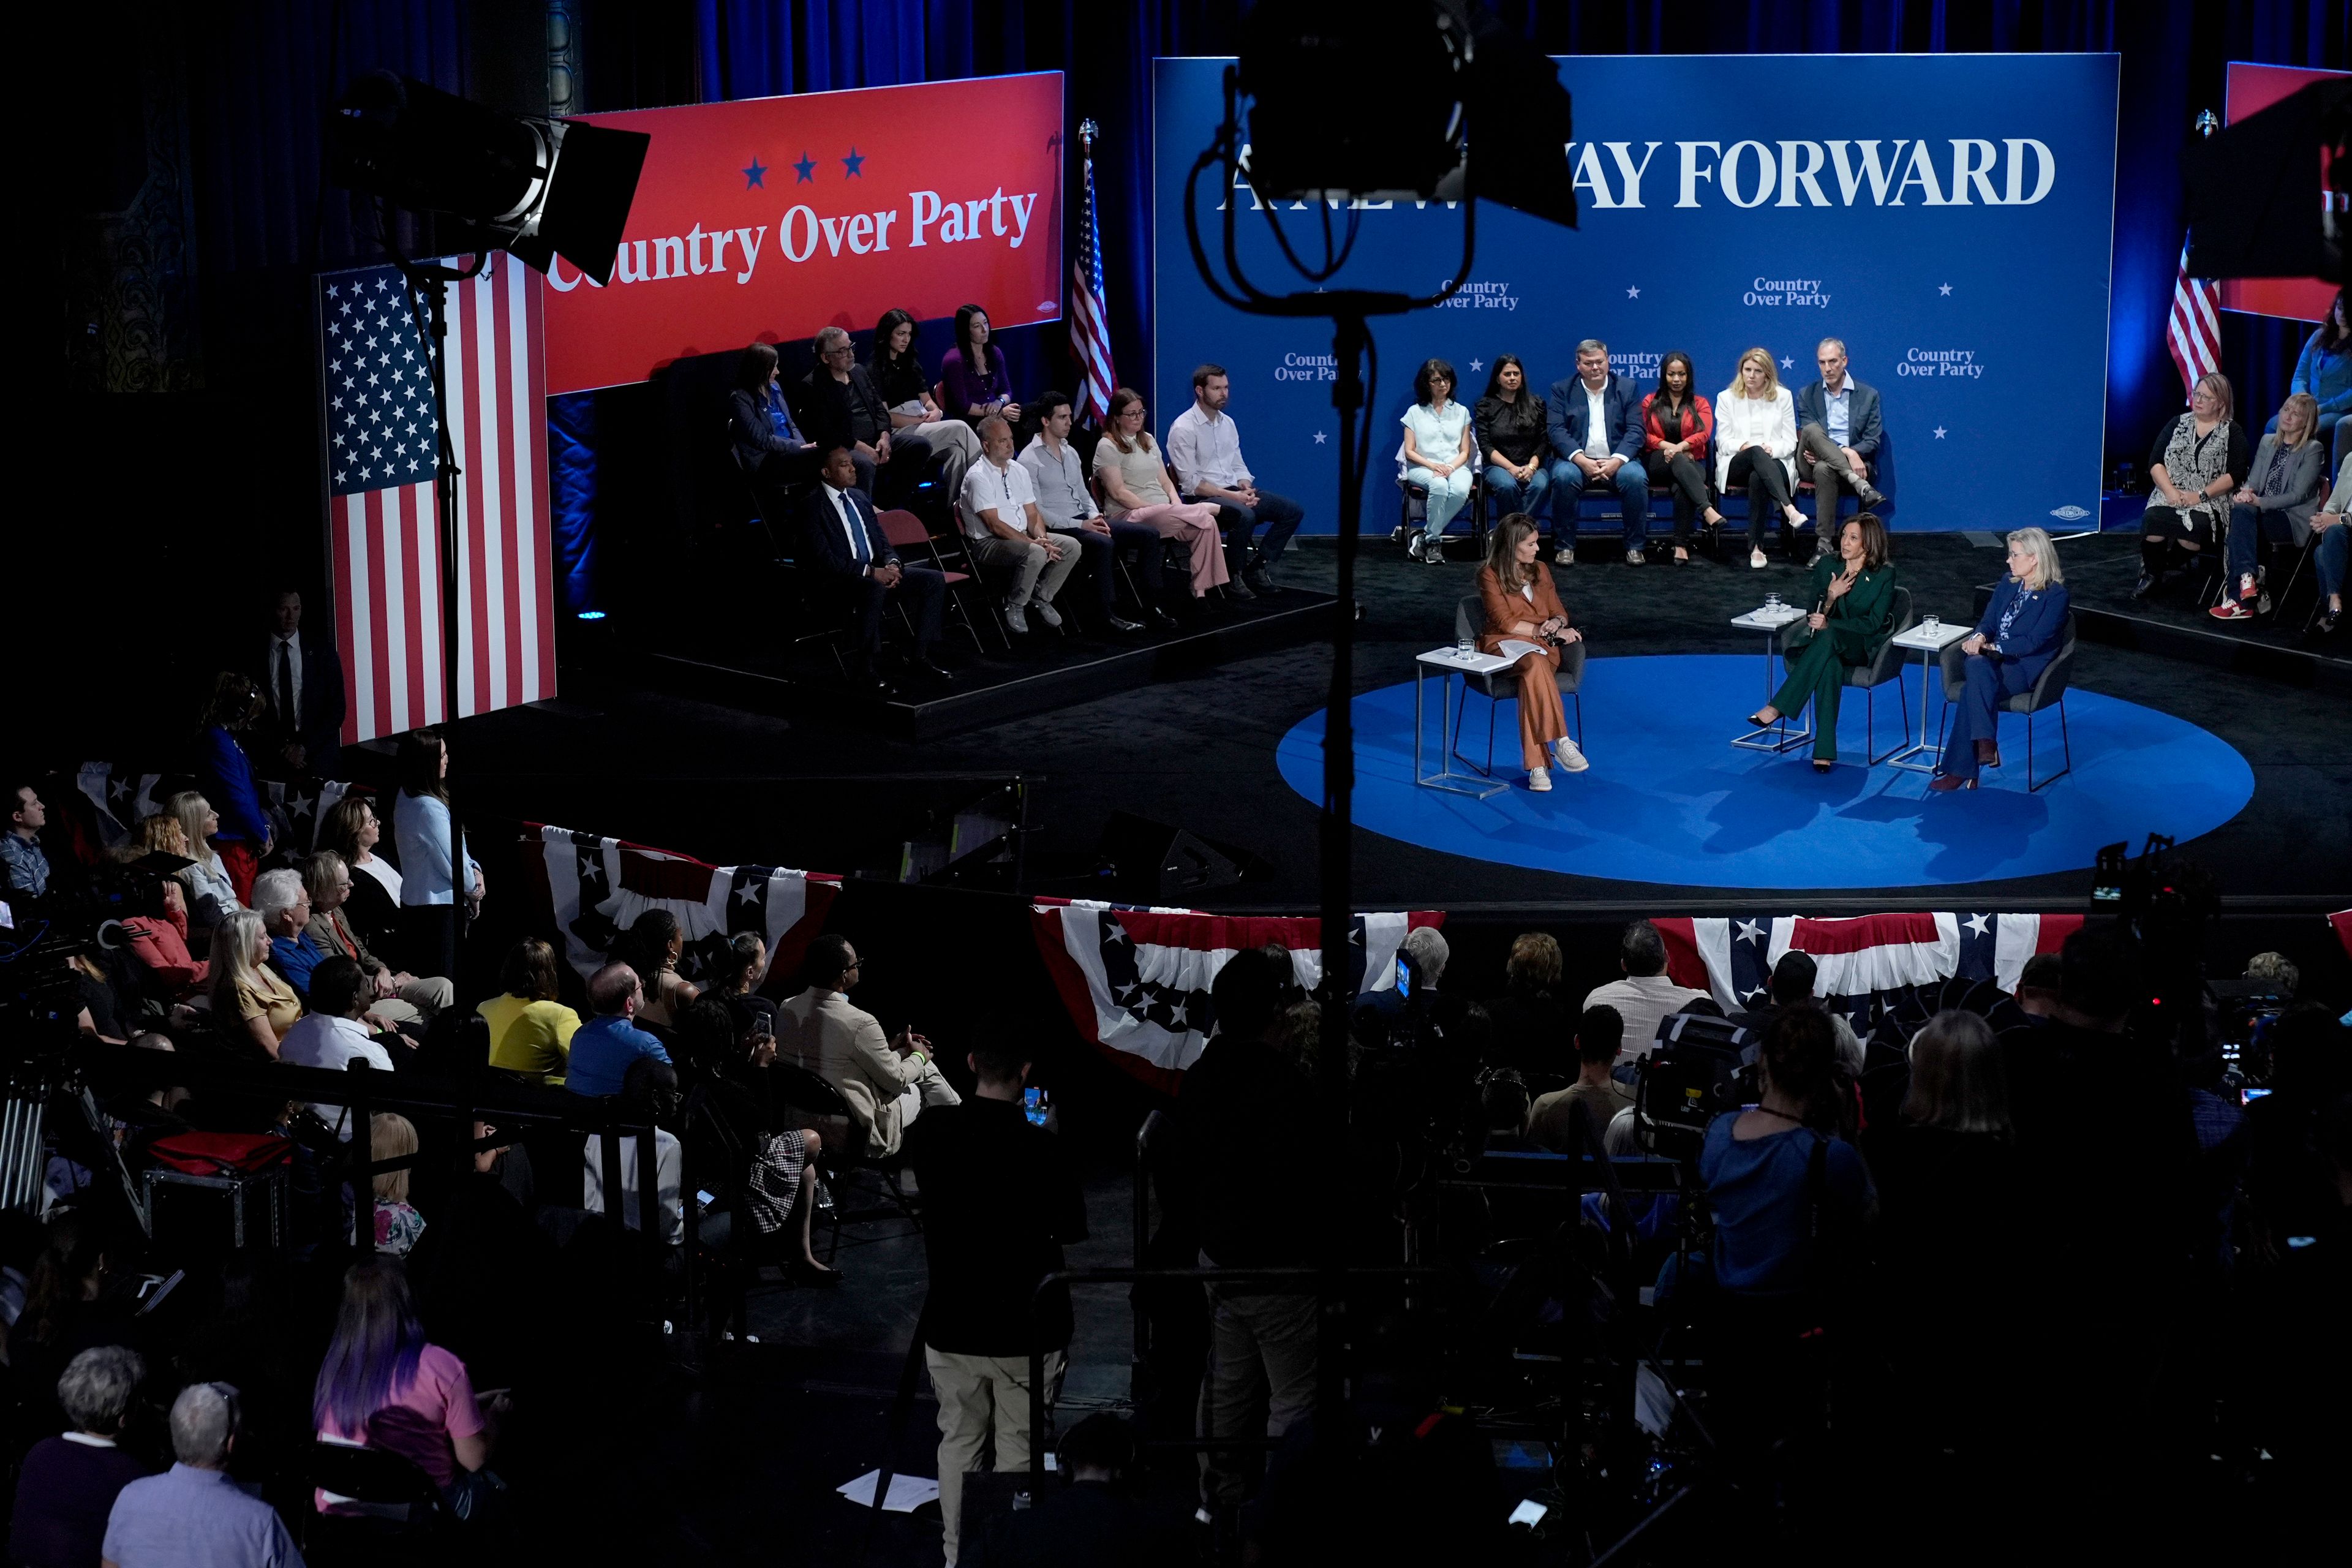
(1138,488)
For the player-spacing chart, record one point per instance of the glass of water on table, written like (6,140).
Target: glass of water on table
(1933,625)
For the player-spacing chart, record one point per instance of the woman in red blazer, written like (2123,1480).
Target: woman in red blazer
(1523,609)
(1677,426)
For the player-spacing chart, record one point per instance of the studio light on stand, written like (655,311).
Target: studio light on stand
(1372,101)
(535,188)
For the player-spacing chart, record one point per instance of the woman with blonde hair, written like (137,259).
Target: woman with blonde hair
(210,893)
(1526,621)
(397,1223)
(2021,630)
(2196,462)
(2275,504)
(250,1002)
(1137,487)
(1756,445)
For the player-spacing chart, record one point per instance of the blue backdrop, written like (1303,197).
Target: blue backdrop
(1949,217)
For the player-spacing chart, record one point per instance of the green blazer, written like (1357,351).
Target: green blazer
(1859,620)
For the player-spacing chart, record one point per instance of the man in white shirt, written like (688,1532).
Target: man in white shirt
(1070,513)
(1206,450)
(330,1036)
(1007,534)
(1646,995)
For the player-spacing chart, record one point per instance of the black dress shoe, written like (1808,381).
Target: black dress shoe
(1238,589)
(1871,500)
(1162,621)
(933,669)
(873,689)
(1124,627)
(2144,586)
(1259,578)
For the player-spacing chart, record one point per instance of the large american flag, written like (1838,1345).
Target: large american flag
(383,533)
(2195,329)
(1089,315)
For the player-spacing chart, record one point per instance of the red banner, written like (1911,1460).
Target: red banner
(774,216)
(2251,90)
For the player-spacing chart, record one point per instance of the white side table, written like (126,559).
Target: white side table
(1446,663)
(1930,646)
(1777,736)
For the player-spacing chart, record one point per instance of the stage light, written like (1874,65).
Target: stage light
(589,615)
(537,188)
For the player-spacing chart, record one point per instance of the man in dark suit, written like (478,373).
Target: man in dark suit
(1596,427)
(1837,433)
(842,547)
(305,682)
(841,407)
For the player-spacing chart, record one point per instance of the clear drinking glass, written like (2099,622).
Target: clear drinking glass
(1463,647)
(1935,625)
(1772,602)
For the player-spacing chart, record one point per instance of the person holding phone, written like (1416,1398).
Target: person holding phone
(888,1081)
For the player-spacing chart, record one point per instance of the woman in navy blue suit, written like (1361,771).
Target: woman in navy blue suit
(2021,633)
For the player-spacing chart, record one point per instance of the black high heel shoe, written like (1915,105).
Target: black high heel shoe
(1821,766)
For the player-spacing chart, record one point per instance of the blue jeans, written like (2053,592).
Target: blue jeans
(2335,544)
(1979,719)
(2247,525)
(1281,515)
(1631,484)
(1447,496)
(1506,495)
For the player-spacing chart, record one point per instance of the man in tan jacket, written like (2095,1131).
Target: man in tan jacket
(886,1082)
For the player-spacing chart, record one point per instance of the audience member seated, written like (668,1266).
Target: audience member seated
(1792,985)
(2323,373)
(1755,445)
(773,450)
(770,1166)
(735,983)
(851,564)
(1510,429)
(67,1311)
(1678,424)
(887,1083)
(384,1386)
(531,1031)
(2335,545)
(1837,434)
(1070,510)
(1138,487)
(242,832)
(650,1088)
(1022,560)
(27,868)
(2196,463)
(284,905)
(1440,456)
(1204,447)
(211,893)
(1504,1106)
(652,946)
(396,996)
(841,407)
(1595,425)
(603,1047)
(1646,995)
(251,1003)
(1525,621)
(1600,1040)
(1528,1024)
(973,381)
(420,826)
(332,1035)
(898,376)
(193,1514)
(372,911)
(158,939)
(2275,506)
(2037,985)
(302,680)
(67,1485)
(398,1225)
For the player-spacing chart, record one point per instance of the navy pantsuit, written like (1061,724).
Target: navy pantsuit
(2037,627)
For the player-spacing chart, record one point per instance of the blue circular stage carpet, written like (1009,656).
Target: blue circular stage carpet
(1668,799)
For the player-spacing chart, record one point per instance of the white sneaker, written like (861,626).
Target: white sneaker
(1017,623)
(1563,556)
(1756,559)
(1045,613)
(1539,779)
(1570,759)
(1412,546)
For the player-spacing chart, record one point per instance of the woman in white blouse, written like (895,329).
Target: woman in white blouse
(1439,457)
(1756,445)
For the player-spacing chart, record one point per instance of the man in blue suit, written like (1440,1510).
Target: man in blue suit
(1596,426)
(843,548)
(2022,629)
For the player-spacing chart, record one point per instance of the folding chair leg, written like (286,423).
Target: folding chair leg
(1578,699)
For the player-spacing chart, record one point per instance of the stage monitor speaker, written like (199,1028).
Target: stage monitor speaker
(1157,863)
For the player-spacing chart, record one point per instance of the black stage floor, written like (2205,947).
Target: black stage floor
(1197,746)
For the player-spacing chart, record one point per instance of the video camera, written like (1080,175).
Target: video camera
(1695,1074)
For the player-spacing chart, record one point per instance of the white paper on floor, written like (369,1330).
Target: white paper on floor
(907,1493)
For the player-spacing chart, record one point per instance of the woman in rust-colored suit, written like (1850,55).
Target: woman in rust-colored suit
(1523,607)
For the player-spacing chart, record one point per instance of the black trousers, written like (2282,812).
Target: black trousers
(2164,528)
(1689,481)
(1767,492)
(922,589)
(1100,555)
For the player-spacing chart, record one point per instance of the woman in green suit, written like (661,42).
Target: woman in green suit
(1852,595)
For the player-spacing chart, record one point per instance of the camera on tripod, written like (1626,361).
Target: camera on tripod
(1695,1074)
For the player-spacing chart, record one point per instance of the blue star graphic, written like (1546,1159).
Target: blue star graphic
(756,175)
(851,164)
(806,169)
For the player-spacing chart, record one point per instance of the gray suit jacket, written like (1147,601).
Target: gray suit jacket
(2307,465)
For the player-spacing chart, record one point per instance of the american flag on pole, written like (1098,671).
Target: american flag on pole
(1089,315)
(2195,329)
(383,528)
